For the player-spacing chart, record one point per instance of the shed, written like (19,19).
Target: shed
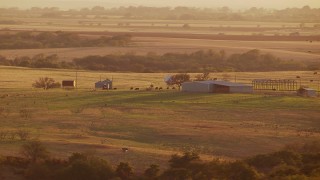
(308,92)
(106,84)
(216,87)
(68,84)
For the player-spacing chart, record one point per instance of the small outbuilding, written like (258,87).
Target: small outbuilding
(106,84)
(307,92)
(68,84)
(216,87)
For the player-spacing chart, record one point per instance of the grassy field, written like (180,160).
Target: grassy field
(152,124)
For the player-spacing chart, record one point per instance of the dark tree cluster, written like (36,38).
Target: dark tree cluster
(59,39)
(37,61)
(199,61)
(294,162)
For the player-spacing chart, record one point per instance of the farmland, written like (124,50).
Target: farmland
(163,36)
(152,124)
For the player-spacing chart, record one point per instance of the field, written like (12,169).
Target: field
(163,36)
(287,50)
(152,124)
(155,124)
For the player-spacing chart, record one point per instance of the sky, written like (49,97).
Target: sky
(235,4)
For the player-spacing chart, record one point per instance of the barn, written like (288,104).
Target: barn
(68,84)
(106,84)
(307,92)
(216,87)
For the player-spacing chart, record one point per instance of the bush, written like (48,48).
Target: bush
(283,171)
(34,151)
(23,134)
(241,170)
(152,172)
(124,171)
(84,166)
(46,83)
(25,113)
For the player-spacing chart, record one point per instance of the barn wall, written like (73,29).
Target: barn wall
(68,83)
(195,87)
(99,85)
(241,89)
(311,93)
(220,89)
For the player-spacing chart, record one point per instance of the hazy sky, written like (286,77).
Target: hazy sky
(236,4)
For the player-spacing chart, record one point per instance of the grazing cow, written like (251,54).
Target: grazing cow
(136,89)
(160,88)
(131,88)
(125,150)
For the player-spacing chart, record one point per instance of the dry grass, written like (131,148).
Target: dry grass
(153,125)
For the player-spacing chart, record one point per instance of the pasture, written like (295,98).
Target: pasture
(152,124)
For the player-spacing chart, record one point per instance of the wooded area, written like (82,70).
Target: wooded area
(59,39)
(199,61)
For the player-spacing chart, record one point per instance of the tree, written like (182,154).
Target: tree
(124,171)
(152,172)
(46,83)
(186,26)
(83,166)
(241,170)
(177,161)
(202,77)
(178,79)
(34,150)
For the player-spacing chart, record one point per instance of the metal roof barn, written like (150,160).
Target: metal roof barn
(216,87)
(307,92)
(106,84)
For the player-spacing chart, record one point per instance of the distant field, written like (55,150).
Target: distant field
(152,124)
(296,50)
(162,36)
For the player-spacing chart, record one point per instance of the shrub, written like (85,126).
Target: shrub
(23,134)
(241,170)
(46,83)
(283,171)
(124,171)
(25,113)
(84,166)
(34,151)
(152,172)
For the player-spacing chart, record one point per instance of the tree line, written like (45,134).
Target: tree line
(199,61)
(59,39)
(295,161)
(304,14)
